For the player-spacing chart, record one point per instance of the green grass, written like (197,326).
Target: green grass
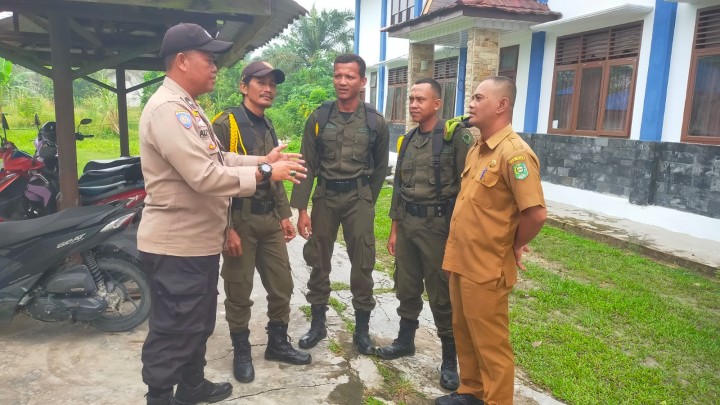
(595,324)
(339,286)
(307,311)
(397,385)
(335,347)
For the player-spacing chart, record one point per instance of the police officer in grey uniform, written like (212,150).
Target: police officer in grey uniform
(188,182)
(345,145)
(247,130)
(427,180)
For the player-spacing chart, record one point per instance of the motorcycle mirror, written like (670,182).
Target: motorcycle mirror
(37,121)
(85,121)
(5,127)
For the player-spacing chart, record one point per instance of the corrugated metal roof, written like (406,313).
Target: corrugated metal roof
(511,6)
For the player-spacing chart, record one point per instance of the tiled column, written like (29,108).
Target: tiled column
(421,64)
(483,58)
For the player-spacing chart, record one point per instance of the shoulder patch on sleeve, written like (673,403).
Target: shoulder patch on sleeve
(520,170)
(467,137)
(519,158)
(184,118)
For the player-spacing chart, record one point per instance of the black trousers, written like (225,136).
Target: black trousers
(182,318)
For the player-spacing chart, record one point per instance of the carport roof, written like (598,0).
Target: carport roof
(127,34)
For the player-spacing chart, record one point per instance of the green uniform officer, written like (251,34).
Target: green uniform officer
(345,145)
(255,239)
(427,181)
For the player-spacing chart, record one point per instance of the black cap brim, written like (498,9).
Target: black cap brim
(216,46)
(279,74)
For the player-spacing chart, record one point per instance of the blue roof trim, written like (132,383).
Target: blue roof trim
(532,105)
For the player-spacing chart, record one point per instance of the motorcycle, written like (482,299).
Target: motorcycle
(14,176)
(117,182)
(79,264)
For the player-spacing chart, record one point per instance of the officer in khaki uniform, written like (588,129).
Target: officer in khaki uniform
(499,210)
(188,182)
(427,180)
(348,153)
(261,223)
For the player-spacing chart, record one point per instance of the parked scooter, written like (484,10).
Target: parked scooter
(79,264)
(117,181)
(15,175)
(30,188)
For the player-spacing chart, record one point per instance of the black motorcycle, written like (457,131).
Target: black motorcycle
(80,264)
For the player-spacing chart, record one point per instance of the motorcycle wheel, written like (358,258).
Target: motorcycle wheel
(130,285)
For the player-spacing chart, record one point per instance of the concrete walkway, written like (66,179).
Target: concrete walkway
(60,363)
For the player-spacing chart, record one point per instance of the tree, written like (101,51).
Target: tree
(5,71)
(314,39)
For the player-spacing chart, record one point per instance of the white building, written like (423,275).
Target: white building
(619,98)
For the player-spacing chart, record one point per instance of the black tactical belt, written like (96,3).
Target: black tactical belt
(342,186)
(258,207)
(421,211)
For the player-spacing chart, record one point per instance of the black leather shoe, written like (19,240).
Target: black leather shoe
(404,345)
(164,399)
(361,337)
(279,349)
(449,378)
(318,330)
(243,369)
(205,392)
(458,399)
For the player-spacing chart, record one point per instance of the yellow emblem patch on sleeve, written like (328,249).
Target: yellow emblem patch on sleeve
(516,159)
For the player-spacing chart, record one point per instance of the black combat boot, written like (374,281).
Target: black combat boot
(242,360)
(318,330)
(404,345)
(448,369)
(361,337)
(279,349)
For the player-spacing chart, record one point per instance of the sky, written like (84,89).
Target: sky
(328,4)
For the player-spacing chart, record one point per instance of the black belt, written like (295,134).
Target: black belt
(343,186)
(421,211)
(258,207)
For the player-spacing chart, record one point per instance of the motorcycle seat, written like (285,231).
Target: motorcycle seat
(130,172)
(89,199)
(105,164)
(17,231)
(101,185)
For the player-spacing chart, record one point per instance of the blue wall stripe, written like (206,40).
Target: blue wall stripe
(356,39)
(659,71)
(383,55)
(532,105)
(418,8)
(460,93)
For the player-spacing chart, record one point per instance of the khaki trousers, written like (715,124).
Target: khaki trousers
(482,337)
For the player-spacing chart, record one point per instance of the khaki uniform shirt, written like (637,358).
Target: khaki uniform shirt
(187,178)
(415,180)
(501,179)
(266,190)
(346,152)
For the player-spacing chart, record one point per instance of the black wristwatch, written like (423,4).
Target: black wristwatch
(265,170)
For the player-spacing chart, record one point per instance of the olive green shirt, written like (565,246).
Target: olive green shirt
(266,189)
(349,149)
(415,181)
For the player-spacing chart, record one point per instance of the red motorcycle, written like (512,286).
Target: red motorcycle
(33,184)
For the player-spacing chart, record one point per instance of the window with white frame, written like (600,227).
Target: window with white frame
(594,81)
(701,122)
(401,11)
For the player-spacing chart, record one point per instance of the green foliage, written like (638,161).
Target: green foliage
(5,71)
(27,107)
(148,91)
